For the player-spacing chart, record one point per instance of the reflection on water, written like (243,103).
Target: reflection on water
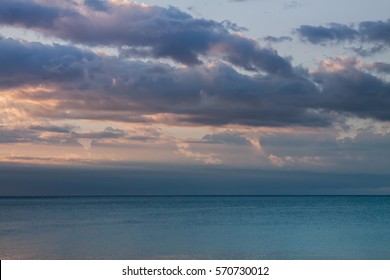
(259,227)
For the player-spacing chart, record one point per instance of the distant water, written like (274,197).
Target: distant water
(196,227)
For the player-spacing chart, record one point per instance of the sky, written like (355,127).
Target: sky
(258,97)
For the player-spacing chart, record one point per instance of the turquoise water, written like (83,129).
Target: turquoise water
(196,227)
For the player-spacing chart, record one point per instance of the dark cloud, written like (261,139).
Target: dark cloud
(23,62)
(52,128)
(149,31)
(90,87)
(367,31)
(31,14)
(220,95)
(17,135)
(66,134)
(95,87)
(41,83)
(378,31)
(354,91)
(321,34)
(33,134)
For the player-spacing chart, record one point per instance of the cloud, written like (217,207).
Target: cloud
(367,31)
(233,26)
(380,67)
(277,161)
(147,31)
(46,133)
(185,150)
(78,84)
(66,159)
(370,50)
(378,31)
(359,142)
(226,137)
(17,135)
(320,34)
(107,133)
(281,39)
(232,101)
(31,62)
(81,86)
(31,14)
(52,128)
(98,5)
(349,89)
(296,161)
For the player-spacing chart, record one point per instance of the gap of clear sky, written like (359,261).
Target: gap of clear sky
(194,97)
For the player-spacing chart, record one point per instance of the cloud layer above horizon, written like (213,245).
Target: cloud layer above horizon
(116,82)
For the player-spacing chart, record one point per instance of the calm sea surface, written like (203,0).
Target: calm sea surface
(196,227)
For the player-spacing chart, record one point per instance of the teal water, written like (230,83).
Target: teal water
(196,227)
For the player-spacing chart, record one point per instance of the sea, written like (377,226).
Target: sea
(196,227)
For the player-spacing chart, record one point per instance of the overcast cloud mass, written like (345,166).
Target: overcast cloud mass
(117,85)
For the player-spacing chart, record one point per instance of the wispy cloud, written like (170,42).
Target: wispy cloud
(273,39)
